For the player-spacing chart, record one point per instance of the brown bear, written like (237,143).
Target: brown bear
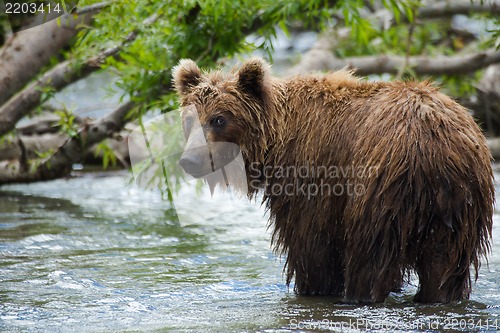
(365,181)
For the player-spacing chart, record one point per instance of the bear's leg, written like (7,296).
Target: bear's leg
(373,270)
(443,267)
(368,284)
(317,269)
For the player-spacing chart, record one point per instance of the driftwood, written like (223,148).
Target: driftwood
(39,144)
(30,146)
(71,151)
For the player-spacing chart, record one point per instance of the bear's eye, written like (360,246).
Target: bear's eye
(218,121)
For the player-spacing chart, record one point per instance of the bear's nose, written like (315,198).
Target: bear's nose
(192,163)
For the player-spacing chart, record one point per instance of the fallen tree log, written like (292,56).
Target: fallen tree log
(31,145)
(321,57)
(322,60)
(487,110)
(464,7)
(73,150)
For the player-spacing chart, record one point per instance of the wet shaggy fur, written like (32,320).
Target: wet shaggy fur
(426,206)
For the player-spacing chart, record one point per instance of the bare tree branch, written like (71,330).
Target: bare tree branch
(450,8)
(57,78)
(92,8)
(72,151)
(26,100)
(319,57)
(321,60)
(23,55)
(459,64)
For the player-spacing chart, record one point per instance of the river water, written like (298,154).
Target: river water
(96,254)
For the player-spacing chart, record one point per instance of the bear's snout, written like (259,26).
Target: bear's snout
(193,162)
(190,163)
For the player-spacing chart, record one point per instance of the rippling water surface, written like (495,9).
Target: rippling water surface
(93,254)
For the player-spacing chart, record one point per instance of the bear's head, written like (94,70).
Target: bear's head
(221,114)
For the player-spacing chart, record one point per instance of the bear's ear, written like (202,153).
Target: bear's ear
(186,76)
(252,77)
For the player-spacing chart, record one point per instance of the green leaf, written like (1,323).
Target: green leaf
(106,153)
